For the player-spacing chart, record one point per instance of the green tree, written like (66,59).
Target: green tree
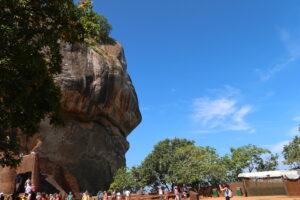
(197,166)
(250,158)
(124,179)
(269,163)
(291,153)
(30,32)
(155,169)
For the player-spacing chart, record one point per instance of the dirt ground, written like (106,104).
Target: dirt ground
(254,198)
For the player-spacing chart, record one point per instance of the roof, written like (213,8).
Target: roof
(288,174)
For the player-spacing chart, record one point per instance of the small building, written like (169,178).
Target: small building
(268,183)
(13,178)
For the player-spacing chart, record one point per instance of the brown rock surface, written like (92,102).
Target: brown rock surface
(101,109)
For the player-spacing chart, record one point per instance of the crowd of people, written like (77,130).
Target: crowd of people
(180,192)
(31,194)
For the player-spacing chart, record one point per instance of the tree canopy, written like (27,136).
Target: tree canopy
(249,158)
(124,179)
(155,169)
(31,32)
(197,166)
(180,161)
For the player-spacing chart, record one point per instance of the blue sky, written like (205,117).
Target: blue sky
(222,73)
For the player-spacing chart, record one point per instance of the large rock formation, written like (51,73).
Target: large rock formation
(101,109)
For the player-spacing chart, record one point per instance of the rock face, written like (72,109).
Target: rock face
(101,109)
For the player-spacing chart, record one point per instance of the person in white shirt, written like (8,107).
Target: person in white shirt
(119,196)
(27,189)
(227,191)
(27,182)
(160,193)
(127,195)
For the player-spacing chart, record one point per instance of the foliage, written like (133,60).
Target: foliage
(96,26)
(155,169)
(124,179)
(269,163)
(197,166)
(180,161)
(250,158)
(291,153)
(30,57)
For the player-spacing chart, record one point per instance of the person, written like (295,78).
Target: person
(119,196)
(32,187)
(32,195)
(44,197)
(25,196)
(57,197)
(105,196)
(185,191)
(167,194)
(113,195)
(227,191)
(127,195)
(38,196)
(1,196)
(10,197)
(28,182)
(70,196)
(141,191)
(51,197)
(177,193)
(27,189)
(85,196)
(160,193)
(100,195)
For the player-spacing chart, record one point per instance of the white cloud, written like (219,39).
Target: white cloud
(293,48)
(221,113)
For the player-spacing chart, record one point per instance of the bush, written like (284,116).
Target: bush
(96,26)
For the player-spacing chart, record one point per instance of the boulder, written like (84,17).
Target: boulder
(100,110)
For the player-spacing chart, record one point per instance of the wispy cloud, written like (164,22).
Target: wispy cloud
(223,112)
(292,46)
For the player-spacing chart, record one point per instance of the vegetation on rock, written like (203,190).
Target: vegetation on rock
(96,26)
